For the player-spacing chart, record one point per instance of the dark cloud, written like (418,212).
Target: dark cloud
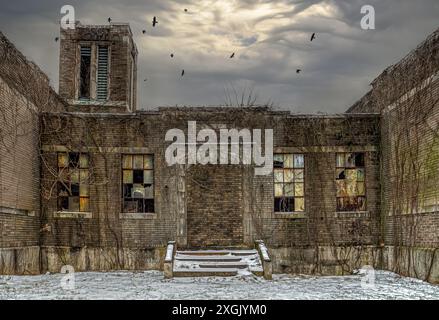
(270,38)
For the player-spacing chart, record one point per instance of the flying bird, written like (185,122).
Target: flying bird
(109,20)
(143,31)
(154,21)
(298,70)
(172,55)
(233,54)
(185,10)
(145,80)
(182,72)
(56,39)
(313,36)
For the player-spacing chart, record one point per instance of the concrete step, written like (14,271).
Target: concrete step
(237,265)
(215,258)
(206,272)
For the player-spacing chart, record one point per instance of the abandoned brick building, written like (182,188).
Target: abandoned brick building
(84,179)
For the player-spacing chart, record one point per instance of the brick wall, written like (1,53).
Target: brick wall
(24,93)
(237,206)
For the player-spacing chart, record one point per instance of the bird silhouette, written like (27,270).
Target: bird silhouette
(233,54)
(154,21)
(182,72)
(143,31)
(109,20)
(172,55)
(313,36)
(145,80)
(56,39)
(298,70)
(185,10)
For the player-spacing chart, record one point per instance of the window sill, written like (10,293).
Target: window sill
(290,215)
(138,215)
(19,212)
(352,213)
(71,214)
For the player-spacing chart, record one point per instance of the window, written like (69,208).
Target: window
(73,184)
(350,181)
(289,182)
(102,74)
(138,183)
(84,73)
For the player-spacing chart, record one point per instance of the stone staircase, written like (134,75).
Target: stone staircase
(222,263)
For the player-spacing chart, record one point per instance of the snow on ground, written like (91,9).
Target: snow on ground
(152,285)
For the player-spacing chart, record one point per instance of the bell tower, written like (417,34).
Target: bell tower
(98,68)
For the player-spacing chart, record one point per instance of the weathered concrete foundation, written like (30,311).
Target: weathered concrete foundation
(101,259)
(20,261)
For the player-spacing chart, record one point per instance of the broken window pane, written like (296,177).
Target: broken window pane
(74,203)
(359,159)
(127,161)
(83,176)
(138,191)
(341,174)
(74,159)
(63,203)
(138,161)
(360,174)
(298,190)
(299,204)
(83,161)
(63,160)
(298,175)
(83,190)
(289,189)
(127,176)
(351,174)
(84,205)
(137,176)
(149,192)
(299,161)
(278,161)
(74,188)
(148,162)
(148,176)
(278,189)
(130,206)
(284,204)
(341,188)
(350,160)
(340,163)
(288,175)
(278,175)
(74,176)
(127,190)
(288,161)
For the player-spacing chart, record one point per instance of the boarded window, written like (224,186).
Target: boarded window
(73,182)
(350,182)
(102,73)
(138,183)
(84,74)
(289,182)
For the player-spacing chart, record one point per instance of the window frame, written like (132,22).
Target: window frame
(132,169)
(61,183)
(355,167)
(293,183)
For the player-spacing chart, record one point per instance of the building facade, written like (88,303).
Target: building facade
(344,190)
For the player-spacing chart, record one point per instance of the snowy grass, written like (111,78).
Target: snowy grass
(152,285)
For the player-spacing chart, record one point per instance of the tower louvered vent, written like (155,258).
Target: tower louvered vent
(102,76)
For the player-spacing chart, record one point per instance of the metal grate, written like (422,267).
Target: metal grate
(102,75)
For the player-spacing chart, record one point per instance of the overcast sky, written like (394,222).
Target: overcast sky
(270,38)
